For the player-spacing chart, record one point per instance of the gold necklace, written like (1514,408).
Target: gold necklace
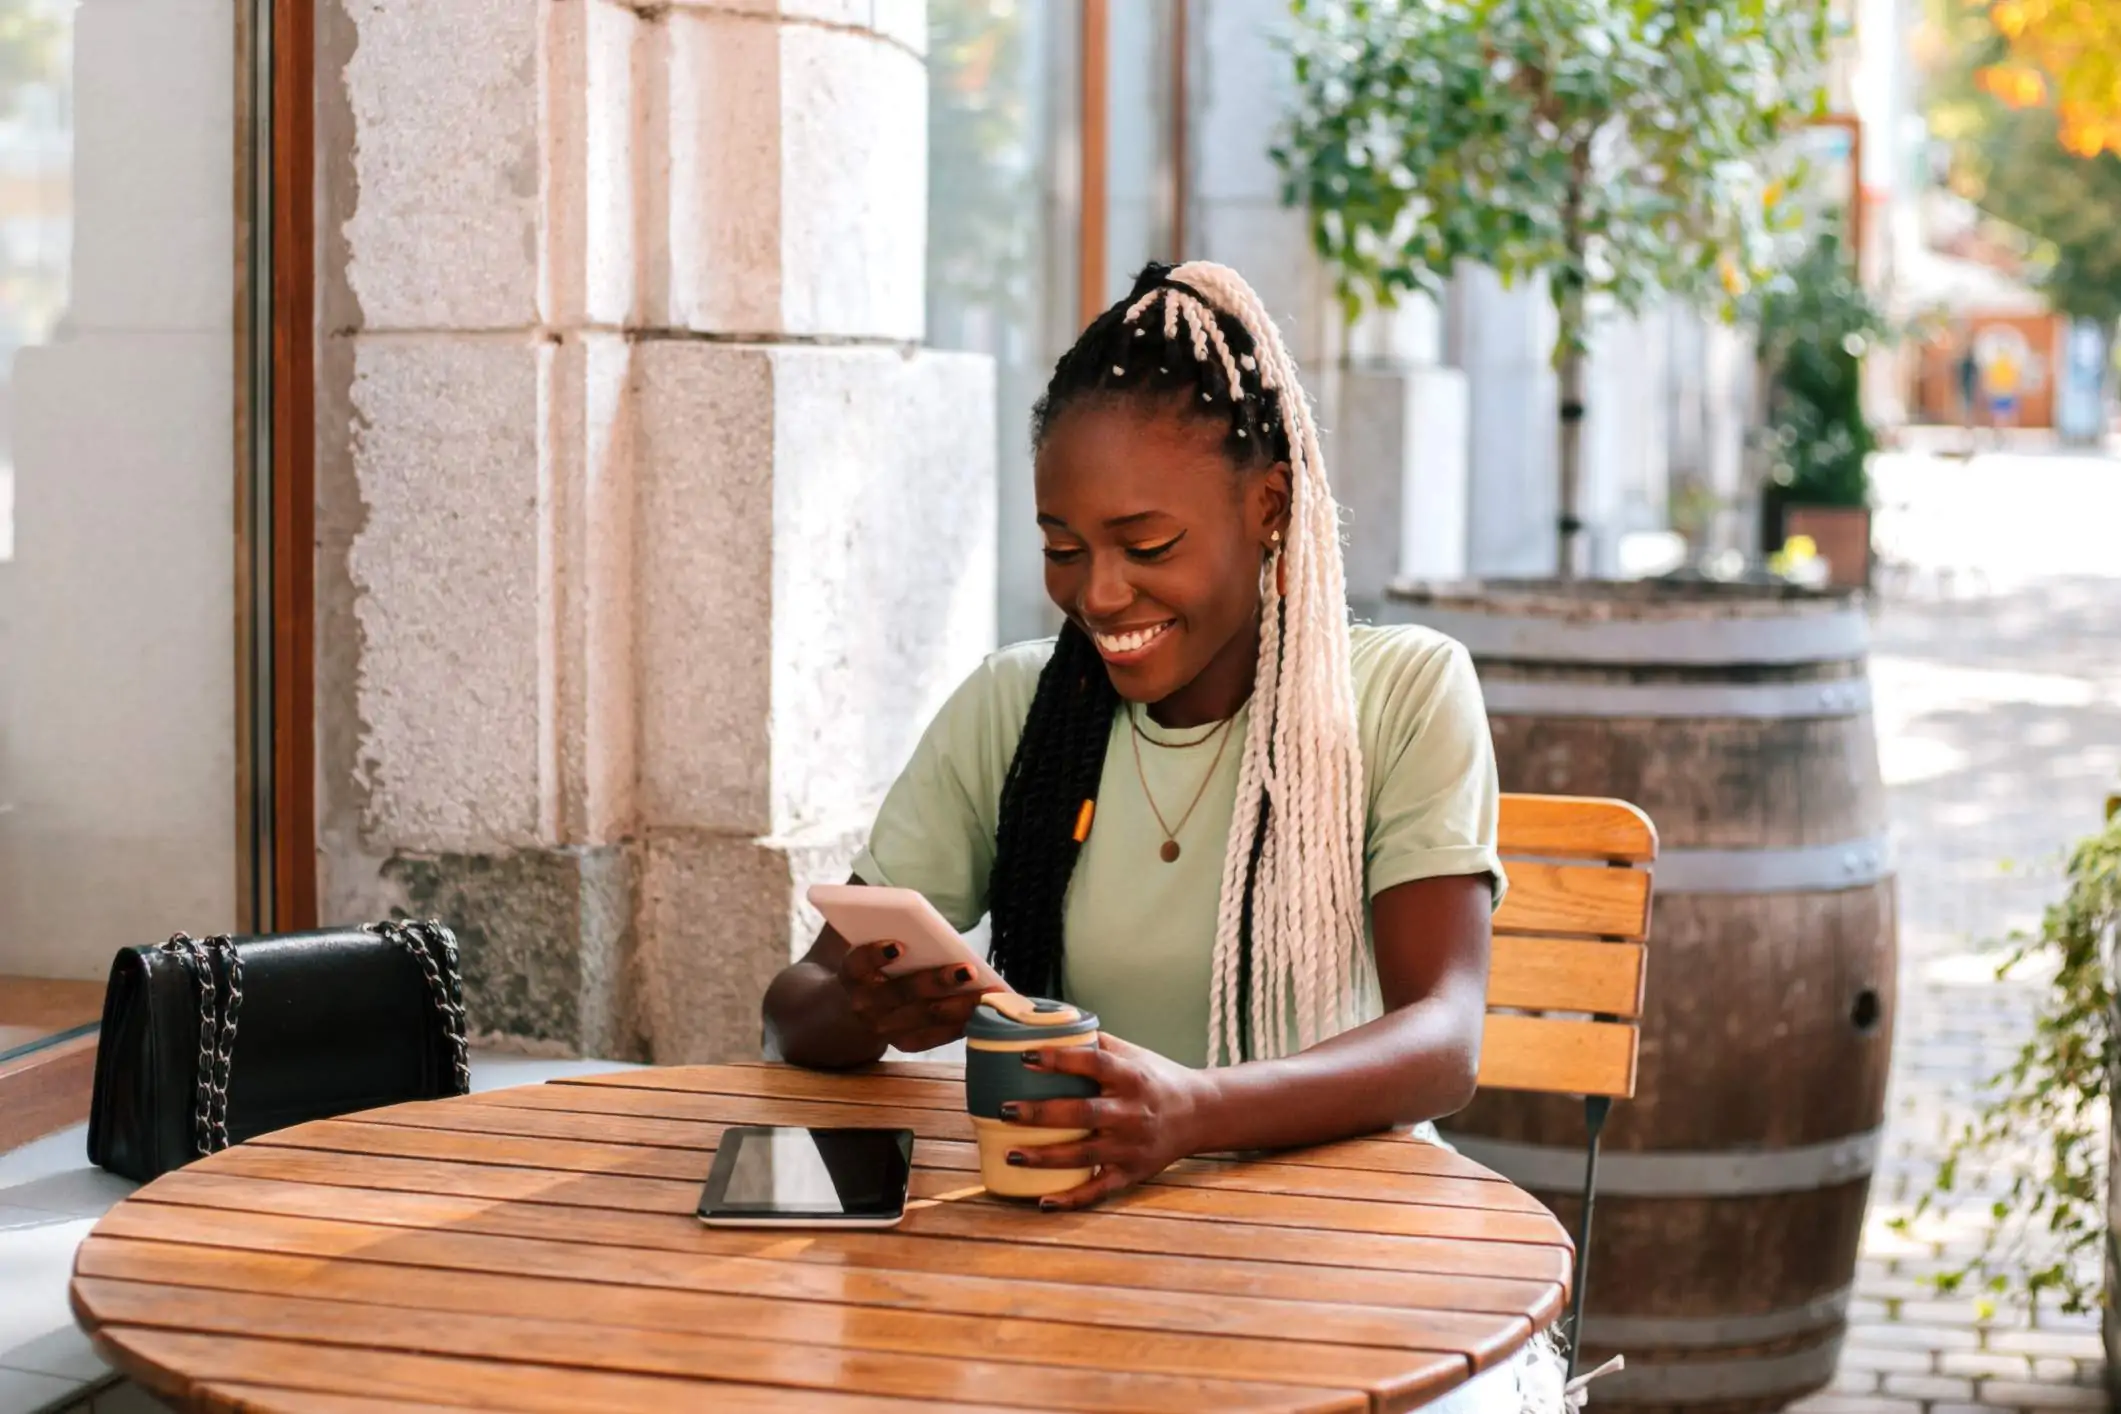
(1169,852)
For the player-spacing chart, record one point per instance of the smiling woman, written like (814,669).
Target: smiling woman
(1257,842)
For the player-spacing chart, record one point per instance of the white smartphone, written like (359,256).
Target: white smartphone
(861,914)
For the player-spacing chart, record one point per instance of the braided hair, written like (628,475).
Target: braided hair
(1289,926)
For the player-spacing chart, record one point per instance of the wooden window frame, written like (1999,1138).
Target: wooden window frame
(275,531)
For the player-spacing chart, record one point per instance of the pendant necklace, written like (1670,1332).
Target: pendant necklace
(1169,852)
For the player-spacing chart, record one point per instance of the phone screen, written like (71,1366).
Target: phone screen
(821,1174)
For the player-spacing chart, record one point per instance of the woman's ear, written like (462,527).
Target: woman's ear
(1268,505)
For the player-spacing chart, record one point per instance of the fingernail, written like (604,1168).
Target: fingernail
(1016,1160)
(963,974)
(1032,1058)
(1009,1110)
(891,952)
(1047,1205)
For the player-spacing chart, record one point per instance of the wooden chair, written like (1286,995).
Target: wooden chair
(1569,940)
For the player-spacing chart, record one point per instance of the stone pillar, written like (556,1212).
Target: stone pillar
(650,536)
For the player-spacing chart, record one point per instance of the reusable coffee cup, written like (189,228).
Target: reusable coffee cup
(1003,1027)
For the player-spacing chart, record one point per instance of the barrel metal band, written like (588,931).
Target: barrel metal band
(1818,868)
(1704,1381)
(1677,1173)
(1836,697)
(1831,636)
(1637,1333)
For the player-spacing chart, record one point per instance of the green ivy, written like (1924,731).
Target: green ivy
(2051,1218)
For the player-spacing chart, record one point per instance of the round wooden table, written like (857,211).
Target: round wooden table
(536,1249)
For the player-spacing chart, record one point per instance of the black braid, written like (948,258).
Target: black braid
(1056,768)
(1061,754)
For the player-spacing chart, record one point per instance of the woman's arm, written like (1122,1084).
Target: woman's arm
(1415,1062)
(1418,1061)
(833,1009)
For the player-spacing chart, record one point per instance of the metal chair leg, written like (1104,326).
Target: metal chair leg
(1595,1110)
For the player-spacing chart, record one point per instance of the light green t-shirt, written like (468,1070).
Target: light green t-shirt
(1140,932)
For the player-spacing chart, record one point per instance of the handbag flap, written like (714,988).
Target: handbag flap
(331,1021)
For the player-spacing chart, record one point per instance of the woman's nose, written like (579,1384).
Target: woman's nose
(1106,594)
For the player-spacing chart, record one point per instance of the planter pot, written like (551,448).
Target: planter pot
(1843,535)
(1732,1190)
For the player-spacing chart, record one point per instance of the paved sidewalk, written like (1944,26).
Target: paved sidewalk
(1997,665)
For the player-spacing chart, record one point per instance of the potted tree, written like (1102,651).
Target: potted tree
(2048,1119)
(1816,322)
(1616,151)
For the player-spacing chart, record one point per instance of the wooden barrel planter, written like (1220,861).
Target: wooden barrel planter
(1732,1187)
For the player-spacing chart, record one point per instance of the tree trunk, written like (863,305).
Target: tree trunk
(1570,335)
(1570,415)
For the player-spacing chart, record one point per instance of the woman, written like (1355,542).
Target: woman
(1257,842)
(1176,812)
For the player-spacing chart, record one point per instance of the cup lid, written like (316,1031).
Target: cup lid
(1005,1016)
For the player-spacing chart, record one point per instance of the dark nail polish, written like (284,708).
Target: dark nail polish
(1047,1205)
(963,974)
(1016,1160)
(1009,1110)
(891,952)
(1031,1058)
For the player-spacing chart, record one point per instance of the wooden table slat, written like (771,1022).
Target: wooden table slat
(938,1156)
(649,1240)
(936,1091)
(392,1375)
(1413,1325)
(1387,1376)
(565,1344)
(1180,1234)
(536,1248)
(926,1123)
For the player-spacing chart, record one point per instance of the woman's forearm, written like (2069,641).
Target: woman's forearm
(809,1022)
(1413,1064)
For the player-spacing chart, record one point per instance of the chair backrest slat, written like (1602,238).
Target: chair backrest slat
(1577,827)
(1591,900)
(1569,939)
(1566,974)
(1556,1057)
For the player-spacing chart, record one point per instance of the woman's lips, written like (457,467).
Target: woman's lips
(1131,645)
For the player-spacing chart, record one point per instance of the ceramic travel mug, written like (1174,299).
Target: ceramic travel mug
(1001,1030)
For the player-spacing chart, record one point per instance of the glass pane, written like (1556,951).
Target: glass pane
(1001,234)
(118,468)
(1138,219)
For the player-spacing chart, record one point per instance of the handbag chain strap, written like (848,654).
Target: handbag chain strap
(424,938)
(221,999)
(217,1031)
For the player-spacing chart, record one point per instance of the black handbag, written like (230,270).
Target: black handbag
(209,1042)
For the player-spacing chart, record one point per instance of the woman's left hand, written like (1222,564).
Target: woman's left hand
(1149,1115)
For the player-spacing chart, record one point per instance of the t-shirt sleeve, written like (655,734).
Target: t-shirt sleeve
(935,830)
(1434,804)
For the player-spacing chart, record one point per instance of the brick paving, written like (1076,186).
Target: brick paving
(1997,669)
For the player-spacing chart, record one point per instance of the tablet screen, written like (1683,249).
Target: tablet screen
(809,1173)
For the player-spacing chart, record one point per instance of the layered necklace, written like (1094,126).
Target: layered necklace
(1220,735)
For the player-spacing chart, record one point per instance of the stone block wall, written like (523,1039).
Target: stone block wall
(649,535)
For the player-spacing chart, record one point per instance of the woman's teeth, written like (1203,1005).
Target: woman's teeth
(1131,642)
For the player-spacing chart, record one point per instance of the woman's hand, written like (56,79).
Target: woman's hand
(917,1011)
(1150,1114)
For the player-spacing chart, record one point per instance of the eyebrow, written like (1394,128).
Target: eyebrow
(1115,523)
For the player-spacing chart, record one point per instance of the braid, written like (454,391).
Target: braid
(1290,921)
(1058,761)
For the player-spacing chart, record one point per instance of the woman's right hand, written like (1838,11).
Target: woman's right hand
(916,1011)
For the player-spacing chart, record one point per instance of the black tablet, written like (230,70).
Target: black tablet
(772,1177)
